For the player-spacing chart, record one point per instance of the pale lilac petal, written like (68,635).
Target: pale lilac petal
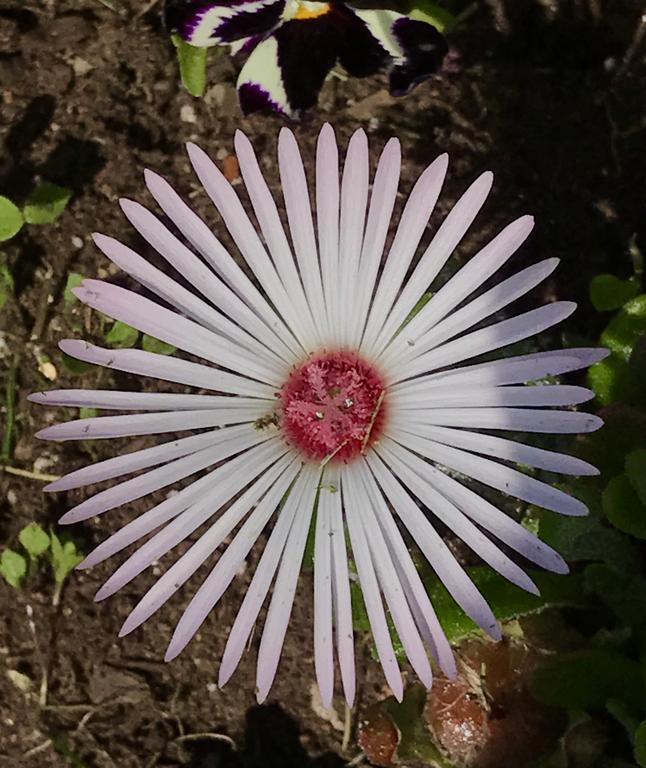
(254,312)
(301,226)
(271,226)
(135,460)
(486,305)
(153,319)
(282,599)
(413,473)
(327,216)
(431,544)
(507,419)
(498,476)
(174,293)
(389,581)
(265,493)
(445,241)
(106,427)
(257,590)
(142,485)
(237,222)
(166,368)
(413,222)
(341,596)
(112,399)
(468,395)
(416,595)
(510,370)
(488,339)
(382,202)
(354,199)
(370,586)
(233,477)
(507,450)
(323,631)
(472,275)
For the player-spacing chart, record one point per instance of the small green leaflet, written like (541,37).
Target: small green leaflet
(121,335)
(192,66)
(151,344)
(13,567)
(46,203)
(11,219)
(34,540)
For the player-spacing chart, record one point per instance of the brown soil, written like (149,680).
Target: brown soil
(549,97)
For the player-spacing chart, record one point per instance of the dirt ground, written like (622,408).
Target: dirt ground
(549,96)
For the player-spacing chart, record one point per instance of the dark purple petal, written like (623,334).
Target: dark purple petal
(205,22)
(424,49)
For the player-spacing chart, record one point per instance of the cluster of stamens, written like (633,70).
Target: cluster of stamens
(332,407)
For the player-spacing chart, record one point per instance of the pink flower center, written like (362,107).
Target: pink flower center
(332,407)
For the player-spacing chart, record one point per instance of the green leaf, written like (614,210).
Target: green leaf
(46,203)
(416,743)
(623,508)
(74,279)
(640,744)
(636,472)
(121,335)
(609,292)
(626,327)
(192,66)
(506,600)
(433,14)
(11,219)
(587,679)
(13,567)
(610,380)
(6,284)
(34,540)
(623,593)
(65,557)
(77,367)
(151,344)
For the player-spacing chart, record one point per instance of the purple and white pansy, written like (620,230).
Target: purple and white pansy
(291,46)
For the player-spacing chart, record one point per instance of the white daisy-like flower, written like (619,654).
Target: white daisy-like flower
(335,405)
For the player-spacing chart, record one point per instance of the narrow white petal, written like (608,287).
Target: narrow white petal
(487,339)
(416,594)
(235,475)
(468,395)
(498,476)
(161,477)
(155,320)
(391,585)
(282,599)
(243,233)
(166,368)
(370,585)
(254,312)
(382,202)
(354,199)
(327,216)
(412,224)
(510,370)
(461,320)
(115,400)
(507,419)
(447,568)
(301,226)
(323,631)
(470,277)
(341,595)
(445,241)
(265,492)
(256,592)
(413,472)
(508,450)
(135,460)
(270,224)
(106,427)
